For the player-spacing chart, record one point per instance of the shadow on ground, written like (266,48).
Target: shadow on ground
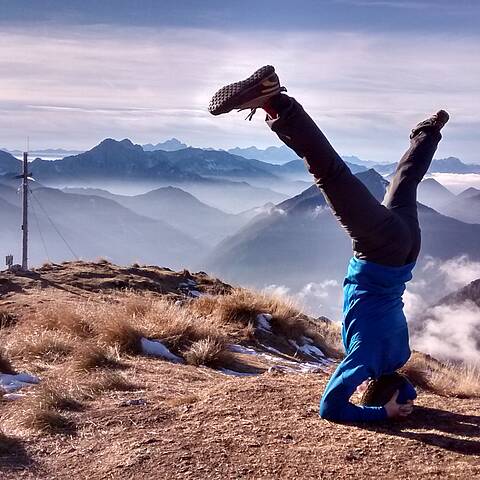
(13,455)
(450,425)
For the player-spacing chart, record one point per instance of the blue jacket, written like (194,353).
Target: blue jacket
(375,337)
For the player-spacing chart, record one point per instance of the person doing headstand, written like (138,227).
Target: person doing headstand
(386,244)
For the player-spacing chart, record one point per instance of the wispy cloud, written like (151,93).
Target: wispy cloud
(458,182)
(389,3)
(448,332)
(315,298)
(73,87)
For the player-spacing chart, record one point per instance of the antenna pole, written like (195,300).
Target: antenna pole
(25,212)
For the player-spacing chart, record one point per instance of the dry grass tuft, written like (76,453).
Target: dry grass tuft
(7,319)
(89,356)
(46,421)
(328,336)
(461,381)
(5,365)
(236,315)
(8,444)
(49,346)
(136,304)
(114,327)
(88,387)
(41,410)
(63,317)
(207,351)
(177,327)
(446,379)
(52,396)
(242,307)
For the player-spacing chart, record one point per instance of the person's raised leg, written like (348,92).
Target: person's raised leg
(378,235)
(401,197)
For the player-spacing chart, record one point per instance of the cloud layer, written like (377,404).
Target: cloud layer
(71,88)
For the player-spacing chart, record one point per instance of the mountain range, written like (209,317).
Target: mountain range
(465,206)
(201,212)
(63,225)
(299,241)
(168,145)
(179,209)
(440,165)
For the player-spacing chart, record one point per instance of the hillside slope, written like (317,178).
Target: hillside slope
(93,227)
(300,241)
(102,409)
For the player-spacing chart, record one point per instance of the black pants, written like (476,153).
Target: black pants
(388,233)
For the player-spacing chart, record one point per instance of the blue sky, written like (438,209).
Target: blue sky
(367,70)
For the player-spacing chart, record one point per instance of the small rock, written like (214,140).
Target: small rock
(135,402)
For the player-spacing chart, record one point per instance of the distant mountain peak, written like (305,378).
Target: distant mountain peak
(112,144)
(170,145)
(469,192)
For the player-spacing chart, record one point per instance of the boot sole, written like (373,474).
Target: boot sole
(228,97)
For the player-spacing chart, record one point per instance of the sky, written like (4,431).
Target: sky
(76,72)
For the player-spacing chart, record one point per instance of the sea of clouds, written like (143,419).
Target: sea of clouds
(448,332)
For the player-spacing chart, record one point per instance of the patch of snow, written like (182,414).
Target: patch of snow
(155,348)
(271,349)
(13,396)
(195,293)
(227,371)
(311,348)
(241,349)
(13,382)
(308,348)
(283,364)
(263,322)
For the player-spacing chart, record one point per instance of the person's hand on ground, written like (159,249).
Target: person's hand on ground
(395,409)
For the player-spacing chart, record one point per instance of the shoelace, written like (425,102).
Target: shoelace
(251,114)
(254,109)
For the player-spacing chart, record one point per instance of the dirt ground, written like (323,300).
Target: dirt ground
(188,422)
(197,423)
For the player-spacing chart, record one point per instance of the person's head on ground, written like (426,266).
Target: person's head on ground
(393,391)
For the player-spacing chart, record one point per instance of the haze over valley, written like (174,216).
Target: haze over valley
(257,222)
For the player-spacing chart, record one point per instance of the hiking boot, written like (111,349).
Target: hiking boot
(436,121)
(251,93)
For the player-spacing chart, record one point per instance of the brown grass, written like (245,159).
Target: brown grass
(89,356)
(8,444)
(40,411)
(328,335)
(95,384)
(207,351)
(7,319)
(136,304)
(182,400)
(63,317)
(5,365)
(177,327)
(236,315)
(113,326)
(45,421)
(46,345)
(43,410)
(446,379)
(461,381)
